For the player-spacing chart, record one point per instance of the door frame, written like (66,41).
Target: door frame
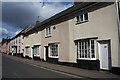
(109,52)
(46,56)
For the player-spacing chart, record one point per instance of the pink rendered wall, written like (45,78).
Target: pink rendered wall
(4,48)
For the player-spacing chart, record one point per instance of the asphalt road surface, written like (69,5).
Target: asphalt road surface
(16,69)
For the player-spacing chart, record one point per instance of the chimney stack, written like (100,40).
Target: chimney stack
(37,22)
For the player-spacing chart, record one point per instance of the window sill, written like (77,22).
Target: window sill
(81,22)
(36,55)
(86,58)
(53,56)
(48,36)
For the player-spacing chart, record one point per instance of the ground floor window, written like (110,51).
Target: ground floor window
(27,51)
(36,50)
(86,48)
(53,50)
(14,49)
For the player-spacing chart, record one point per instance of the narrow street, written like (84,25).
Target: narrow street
(15,69)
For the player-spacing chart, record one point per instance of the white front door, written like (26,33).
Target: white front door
(104,55)
(44,54)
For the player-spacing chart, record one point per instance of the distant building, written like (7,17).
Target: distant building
(4,45)
(16,43)
(0,46)
(32,42)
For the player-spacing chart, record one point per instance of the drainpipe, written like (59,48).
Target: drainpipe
(118,22)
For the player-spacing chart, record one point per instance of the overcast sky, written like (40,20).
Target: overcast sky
(18,15)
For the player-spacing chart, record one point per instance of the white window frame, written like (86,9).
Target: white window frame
(50,51)
(78,50)
(79,20)
(48,32)
(36,55)
(26,51)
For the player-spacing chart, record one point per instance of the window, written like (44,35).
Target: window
(82,18)
(19,49)
(14,49)
(53,50)
(12,43)
(27,51)
(16,41)
(36,50)
(19,40)
(48,31)
(86,48)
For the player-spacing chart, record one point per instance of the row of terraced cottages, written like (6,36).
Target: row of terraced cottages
(15,45)
(85,35)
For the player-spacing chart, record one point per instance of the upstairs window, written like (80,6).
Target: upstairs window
(48,31)
(82,18)
(16,41)
(19,40)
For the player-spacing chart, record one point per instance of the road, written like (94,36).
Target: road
(15,69)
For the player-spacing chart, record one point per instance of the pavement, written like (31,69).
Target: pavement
(88,74)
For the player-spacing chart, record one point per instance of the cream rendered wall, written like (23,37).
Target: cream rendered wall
(31,40)
(12,41)
(102,24)
(72,47)
(60,35)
